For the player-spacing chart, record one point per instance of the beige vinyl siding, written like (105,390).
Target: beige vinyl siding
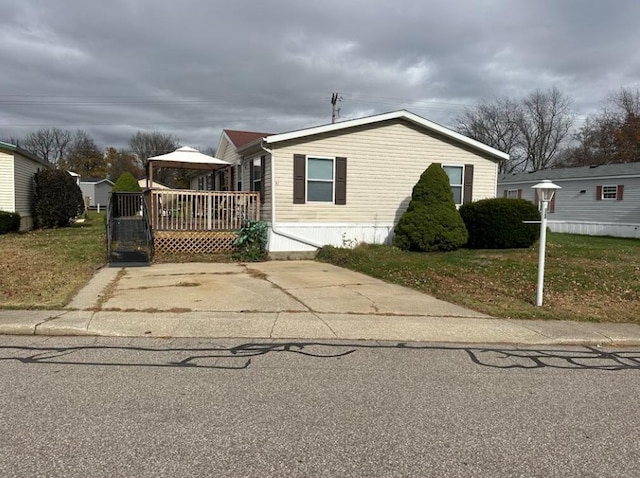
(265,204)
(7,197)
(384,161)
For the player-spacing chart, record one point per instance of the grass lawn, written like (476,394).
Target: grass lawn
(586,278)
(44,268)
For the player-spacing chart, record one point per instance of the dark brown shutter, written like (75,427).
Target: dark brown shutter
(598,193)
(519,193)
(620,192)
(250,175)
(341,180)
(552,203)
(535,198)
(232,175)
(262,175)
(299,190)
(505,193)
(468,183)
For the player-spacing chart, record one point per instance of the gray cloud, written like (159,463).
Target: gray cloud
(193,67)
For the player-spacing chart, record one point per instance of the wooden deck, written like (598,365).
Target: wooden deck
(186,221)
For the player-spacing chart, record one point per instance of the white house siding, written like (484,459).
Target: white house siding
(384,161)
(7,197)
(577,211)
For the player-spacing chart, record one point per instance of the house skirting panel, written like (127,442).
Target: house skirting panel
(26,223)
(596,228)
(301,237)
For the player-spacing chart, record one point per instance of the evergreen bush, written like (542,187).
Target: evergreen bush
(9,222)
(57,198)
(126,183)
(499,223)
(431,222)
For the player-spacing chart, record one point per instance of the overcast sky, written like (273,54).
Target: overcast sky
(193,67)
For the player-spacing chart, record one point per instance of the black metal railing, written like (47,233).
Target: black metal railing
(129,234)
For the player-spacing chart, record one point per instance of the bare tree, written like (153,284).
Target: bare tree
(84,157)
(545,123)
(50,144)
(120,161)
(495,124)
(147,145)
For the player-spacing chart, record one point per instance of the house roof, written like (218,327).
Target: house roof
(581,172)
(23,152)
(401,114)
(96,181)
(240,138)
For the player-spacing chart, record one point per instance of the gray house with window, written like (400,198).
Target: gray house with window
(594,200)
(97,190)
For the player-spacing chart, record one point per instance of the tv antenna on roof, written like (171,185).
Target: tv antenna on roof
(335,111)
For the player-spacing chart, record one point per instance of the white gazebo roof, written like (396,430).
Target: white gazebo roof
(187,158)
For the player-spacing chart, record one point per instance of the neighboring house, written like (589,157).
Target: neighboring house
(349,182)
(97,190)
(142,182)
(229,143)
(594,200)
(17,168)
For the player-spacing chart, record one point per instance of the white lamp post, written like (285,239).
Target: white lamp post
(546,189)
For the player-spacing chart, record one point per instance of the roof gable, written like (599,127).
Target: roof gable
(372,120)
(240,138)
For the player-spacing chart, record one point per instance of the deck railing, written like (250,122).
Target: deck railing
(187,210)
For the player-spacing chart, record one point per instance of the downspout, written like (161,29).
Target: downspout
(273,206)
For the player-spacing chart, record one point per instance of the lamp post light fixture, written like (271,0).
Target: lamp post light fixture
(546,189)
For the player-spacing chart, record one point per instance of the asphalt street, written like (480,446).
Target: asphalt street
(112,407)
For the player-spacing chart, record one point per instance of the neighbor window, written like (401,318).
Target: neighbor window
(512,194)
(609,192)
(320,179)
(455,173)
(257,175)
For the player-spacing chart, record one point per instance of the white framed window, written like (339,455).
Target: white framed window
(320,179)
(512,194)
(456,176)
(238,177)
(610,192)
(257,175)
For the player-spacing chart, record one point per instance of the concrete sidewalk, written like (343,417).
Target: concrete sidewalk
(285,300)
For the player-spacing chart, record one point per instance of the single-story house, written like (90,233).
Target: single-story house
(97,190)
(594,200)
(349,182)
(17,168)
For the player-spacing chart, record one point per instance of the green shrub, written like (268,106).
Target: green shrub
(498,223)
(251,243)
(431,222)
(126,183)
(57,198)
(9,222)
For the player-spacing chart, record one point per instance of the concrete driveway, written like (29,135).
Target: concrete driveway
(284,300)
(278,286)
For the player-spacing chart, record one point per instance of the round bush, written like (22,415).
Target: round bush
(427,229)
(498,223)
(9,222)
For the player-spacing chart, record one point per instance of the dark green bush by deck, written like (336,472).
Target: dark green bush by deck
(9,222)
(126,183)
(57,198)
(498,223)
(431,222)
